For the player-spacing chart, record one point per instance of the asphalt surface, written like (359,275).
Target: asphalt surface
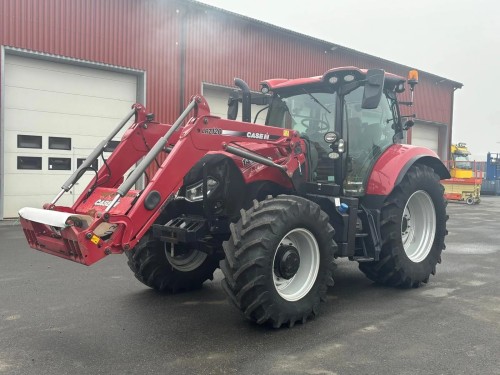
(58,317)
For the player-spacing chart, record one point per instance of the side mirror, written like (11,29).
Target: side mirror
(373,88)
(408,124)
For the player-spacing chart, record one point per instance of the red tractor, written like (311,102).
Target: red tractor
(271,205)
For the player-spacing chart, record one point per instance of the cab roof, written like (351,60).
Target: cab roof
(281,83)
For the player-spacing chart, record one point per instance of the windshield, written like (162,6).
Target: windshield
(462,161)
(307,112)
(312,114)
(367,132)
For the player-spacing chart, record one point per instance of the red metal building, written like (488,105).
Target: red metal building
(162,52)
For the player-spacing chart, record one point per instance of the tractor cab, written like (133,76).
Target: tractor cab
(348,117)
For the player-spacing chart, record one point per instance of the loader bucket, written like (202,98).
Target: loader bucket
(63,234)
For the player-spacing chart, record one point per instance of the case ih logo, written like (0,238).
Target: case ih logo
(257,135)
(104,202)
(253,135)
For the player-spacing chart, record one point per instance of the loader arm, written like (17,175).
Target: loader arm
(106,219)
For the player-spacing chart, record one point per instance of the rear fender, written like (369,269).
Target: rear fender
(393,164)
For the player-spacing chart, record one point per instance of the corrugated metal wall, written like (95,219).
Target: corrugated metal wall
(181,44)
(135,34)
(221,46)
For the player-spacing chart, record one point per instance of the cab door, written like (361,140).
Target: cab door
(369,132)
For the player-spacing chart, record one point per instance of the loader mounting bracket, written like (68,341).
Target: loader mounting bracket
(182,229)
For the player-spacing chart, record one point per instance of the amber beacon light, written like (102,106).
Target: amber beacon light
(412,78)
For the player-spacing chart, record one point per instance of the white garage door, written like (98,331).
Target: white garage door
(217,97)
(426,136)
(54,115)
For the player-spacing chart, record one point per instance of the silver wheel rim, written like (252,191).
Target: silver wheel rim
(418,226)
(301,283)
(186,262)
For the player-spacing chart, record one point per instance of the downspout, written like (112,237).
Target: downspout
(182,62)
(2,128)
(451,122)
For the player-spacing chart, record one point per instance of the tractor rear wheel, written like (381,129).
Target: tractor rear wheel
(157,268)
(279,260)
(413,228)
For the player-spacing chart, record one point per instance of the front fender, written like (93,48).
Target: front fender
(393,164)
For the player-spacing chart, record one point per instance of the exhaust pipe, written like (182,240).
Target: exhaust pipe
(246,110)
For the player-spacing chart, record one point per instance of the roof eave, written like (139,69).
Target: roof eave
(328,45)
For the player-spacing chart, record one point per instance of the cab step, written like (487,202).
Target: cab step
(362,259)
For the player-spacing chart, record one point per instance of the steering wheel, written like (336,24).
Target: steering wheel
(323,126)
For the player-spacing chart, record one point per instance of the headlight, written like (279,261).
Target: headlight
(194,192)
(331,137)
(349,78)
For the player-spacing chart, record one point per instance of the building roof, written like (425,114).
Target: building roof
(327,44)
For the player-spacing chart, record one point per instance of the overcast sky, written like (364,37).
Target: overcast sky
(456,39)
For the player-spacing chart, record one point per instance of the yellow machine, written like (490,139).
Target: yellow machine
(461,166)
(464,184)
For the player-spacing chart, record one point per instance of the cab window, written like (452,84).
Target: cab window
(369,133)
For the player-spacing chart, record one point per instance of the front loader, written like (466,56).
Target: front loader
(272,205)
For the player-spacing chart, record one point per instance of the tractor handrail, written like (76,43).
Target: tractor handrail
(150,156)
(93,156)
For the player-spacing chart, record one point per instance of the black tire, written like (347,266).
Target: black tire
(250,260)
(395,268)
(150,265)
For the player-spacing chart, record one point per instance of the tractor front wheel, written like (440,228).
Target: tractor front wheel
(413,228)
(154,266)
(279,260)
